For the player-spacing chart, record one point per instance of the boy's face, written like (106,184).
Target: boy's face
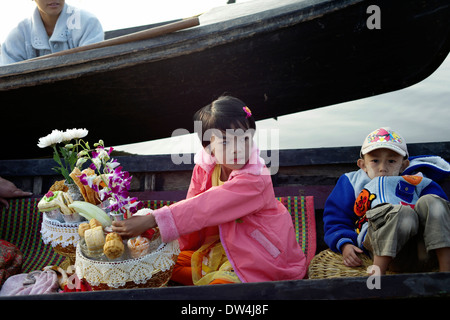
(383,162)
(232,150)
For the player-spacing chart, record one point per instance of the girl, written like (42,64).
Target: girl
(230,228)
(53,27)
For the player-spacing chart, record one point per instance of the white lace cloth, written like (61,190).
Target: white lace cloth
(117,273)
(62,233)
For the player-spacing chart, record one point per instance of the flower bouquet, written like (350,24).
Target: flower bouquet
(102,257)
(60,223)
(100,189)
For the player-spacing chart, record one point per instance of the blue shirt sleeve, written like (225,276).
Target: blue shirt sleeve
(338,216)
(434,188)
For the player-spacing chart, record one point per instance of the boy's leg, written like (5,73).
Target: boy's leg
(434,217)
(382,262)
(390,228)
(443,255)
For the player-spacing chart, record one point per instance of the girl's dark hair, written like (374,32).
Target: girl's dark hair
(226,112)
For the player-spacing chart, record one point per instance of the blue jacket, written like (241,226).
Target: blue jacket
(355,193)
(29,39)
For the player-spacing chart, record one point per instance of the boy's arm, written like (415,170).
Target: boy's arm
(338,217)
(434,188)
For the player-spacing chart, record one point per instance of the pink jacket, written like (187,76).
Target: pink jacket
(255,229)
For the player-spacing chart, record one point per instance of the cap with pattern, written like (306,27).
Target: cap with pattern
(386,138)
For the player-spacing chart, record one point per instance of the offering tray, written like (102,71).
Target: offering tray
(63,236)
(151,270)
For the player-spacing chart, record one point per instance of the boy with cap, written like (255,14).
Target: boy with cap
(379,211)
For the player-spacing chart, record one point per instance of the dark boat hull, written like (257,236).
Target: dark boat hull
(403,286)
(304,55)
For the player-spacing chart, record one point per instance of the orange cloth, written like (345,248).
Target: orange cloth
(182,272)
(220,281)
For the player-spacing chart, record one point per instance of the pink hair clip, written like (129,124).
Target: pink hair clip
(247,111)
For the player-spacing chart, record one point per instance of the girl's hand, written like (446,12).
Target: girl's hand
(349,252)
(134,226)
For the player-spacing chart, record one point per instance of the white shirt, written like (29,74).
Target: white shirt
(29,39)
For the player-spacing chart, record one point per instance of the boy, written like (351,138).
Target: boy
(378,210)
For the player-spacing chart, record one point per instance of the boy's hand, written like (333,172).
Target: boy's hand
(349,252)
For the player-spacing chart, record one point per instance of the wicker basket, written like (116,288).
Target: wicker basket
(62,236)
(329,264)
(68,252)
(159,279)
(151,270)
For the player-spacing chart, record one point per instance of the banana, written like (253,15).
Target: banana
(90,211)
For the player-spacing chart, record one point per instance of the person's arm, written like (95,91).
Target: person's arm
(338,216)
(434,188)
(9,190)
(14,48)
(233,200)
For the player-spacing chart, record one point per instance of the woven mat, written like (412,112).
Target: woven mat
(303,218)
(21,226)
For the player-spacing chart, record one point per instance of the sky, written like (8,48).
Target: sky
(421,113)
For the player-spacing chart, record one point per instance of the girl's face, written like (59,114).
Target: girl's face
(232,149)
(50,7)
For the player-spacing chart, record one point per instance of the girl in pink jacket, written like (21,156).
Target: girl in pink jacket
(230,227)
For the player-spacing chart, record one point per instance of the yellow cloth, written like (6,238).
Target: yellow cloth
(215,178)
(210,262)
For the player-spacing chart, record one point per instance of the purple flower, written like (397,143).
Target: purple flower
(118,182)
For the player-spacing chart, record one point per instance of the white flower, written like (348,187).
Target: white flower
(74,134)
(80,162)
(103,155)
(53,138)
(97,163)
(112,165)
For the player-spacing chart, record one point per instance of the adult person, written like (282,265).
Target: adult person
(54,26)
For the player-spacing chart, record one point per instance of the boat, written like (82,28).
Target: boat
(302,172)
(279,56)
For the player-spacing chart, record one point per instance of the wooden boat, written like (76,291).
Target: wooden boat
(280,56)
(306,172)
